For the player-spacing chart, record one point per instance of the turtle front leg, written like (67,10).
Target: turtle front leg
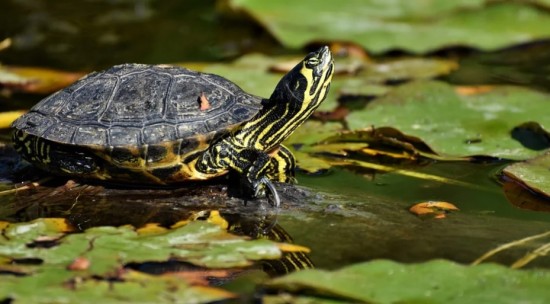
(281,165)
(255,168)
(277,165)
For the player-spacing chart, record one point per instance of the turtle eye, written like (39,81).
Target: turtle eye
(311,62)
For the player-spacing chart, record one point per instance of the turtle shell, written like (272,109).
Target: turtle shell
(132,105)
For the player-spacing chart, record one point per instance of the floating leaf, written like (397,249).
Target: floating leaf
(533,173)
(55,286)
(416,26)
(453,124)
(73,265)
(407,68)
(434,209)
(436,281)
(200,243)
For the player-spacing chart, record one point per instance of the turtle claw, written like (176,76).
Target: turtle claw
(262,188)
(271,193)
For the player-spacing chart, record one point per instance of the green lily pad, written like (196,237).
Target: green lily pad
(80,264)
(198,242)
(416,26)
(533,173)
(61,286)
(407,68)
(459,125)
(436,281)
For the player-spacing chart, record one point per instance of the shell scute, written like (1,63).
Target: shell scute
(125,136)
(87,102)
(60,131)
(158,133)
(90,135)
(138,97)
(136,104)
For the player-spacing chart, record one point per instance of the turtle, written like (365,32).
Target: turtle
(163,124)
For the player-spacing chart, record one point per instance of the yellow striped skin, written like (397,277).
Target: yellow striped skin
(254,148)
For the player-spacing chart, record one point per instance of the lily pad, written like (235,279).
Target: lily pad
(41,255)
(436,281)
(533,173)
(60,286)
(198,242)
(459,125)
(416,26)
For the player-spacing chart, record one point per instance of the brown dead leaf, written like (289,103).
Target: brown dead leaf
(473,90)
(80,263)
(338,114)
(349,49)
(436,209)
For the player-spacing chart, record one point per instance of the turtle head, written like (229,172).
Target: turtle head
(307,84)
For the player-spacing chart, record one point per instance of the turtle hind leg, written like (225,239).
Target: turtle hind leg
(54,157)
(74,163)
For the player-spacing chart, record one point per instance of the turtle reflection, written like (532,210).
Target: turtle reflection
(87,206)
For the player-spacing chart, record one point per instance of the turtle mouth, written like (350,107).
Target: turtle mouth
(326,61)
